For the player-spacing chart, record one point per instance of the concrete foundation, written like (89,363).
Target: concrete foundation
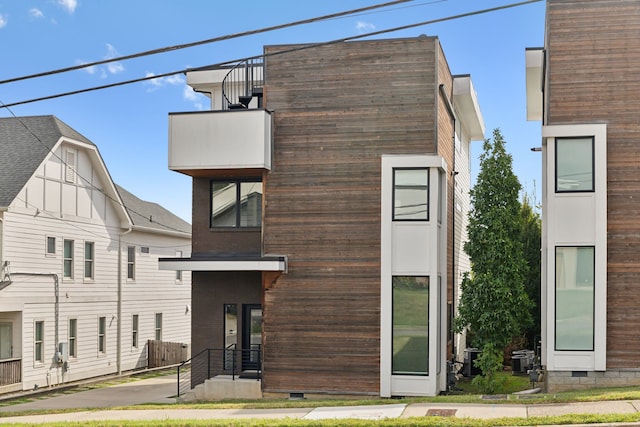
(224,387)
(557,381)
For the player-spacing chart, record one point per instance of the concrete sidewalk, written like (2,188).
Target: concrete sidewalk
(161,390)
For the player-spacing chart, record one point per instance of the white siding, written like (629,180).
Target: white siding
(77,211)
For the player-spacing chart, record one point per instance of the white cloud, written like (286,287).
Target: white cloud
(159,82)
(36,13)
(68,5)
(113,67)
(3,20)
(91,70)
(364,27)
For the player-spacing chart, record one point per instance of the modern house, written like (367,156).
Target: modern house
(583,86)
(330,199)
(80,289)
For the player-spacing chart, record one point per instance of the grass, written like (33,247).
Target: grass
(468,395)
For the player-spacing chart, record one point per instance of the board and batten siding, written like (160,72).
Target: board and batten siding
(594,77)
(337,109)
(84,214)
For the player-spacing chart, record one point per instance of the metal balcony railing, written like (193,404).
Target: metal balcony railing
(242,84)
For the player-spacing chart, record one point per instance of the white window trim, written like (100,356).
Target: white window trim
(46,246)
(39,363)
(93,261)
(597,236)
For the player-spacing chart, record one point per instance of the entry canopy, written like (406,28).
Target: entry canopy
(211,262)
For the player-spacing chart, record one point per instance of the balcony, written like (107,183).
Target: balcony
(201,142)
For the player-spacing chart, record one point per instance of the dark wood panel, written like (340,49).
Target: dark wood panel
(337,110)
(594,77)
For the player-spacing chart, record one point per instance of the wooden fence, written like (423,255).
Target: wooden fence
(10,371)
(162,353)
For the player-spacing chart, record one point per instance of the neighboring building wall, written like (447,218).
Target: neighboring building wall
(338,109)
(593,77)
(64,207)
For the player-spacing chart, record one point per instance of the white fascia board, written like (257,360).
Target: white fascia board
(465,101)
(220,265)
(206,80)
(534,59)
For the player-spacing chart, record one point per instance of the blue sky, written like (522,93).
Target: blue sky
(129,123)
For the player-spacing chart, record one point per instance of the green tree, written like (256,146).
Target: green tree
(530,236)
(493,303)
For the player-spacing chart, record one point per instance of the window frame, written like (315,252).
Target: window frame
(102,335)
(593,298)
(73,338)
(90,262)
(68,259)
(237,206)
(179,272)
(131,262)
(593,164)
(426,280)
(135,331)
(38,344)
(394,214)
(47,241)
(158,326)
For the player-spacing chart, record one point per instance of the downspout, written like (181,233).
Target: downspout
(452,114)
(119,302)
(56,287)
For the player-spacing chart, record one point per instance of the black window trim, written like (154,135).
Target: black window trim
(393,195)
(237,182)
(593,164)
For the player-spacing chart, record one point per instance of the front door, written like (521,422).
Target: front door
(251,336)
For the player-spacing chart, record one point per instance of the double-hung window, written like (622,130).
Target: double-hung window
(158,328)
(89,254)
(38,341)
(134,331)
(574,164)
(73,337)
(411,194)
(102,335)
(236,203)
(68,259)
(131,262)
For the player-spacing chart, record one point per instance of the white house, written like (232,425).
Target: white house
(80,289)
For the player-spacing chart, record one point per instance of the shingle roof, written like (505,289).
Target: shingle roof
(151,215)
(24,144)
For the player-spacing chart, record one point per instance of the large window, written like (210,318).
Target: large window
(102,335)
(410,325)
(89,252)
(131,262)
(411,194)
(236,203)
(38,341)
(68,259)
(574,164)
(574,314)
(73,337)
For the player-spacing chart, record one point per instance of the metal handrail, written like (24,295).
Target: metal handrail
(241,83)
(212,362)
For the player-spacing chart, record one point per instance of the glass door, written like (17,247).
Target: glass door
(251,336)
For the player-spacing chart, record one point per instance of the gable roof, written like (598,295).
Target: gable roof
(24,144)
(152,216)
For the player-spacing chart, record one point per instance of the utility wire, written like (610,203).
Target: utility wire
(298,48)
(207,41)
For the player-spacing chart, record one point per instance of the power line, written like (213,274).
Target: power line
(207,41)
(298,48)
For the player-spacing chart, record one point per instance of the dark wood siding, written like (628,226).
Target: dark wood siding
(594,77)
(337,109)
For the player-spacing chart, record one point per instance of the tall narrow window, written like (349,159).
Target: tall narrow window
(158,326)
(38,341)
(575,298)
(88,259)
(236,203)
(131,262)
(134,331)
(102,334)
(51,245)
(574,164)
(410,319)
(411,194)
(179,272)
(6,340)
(73,337)
(68,259)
